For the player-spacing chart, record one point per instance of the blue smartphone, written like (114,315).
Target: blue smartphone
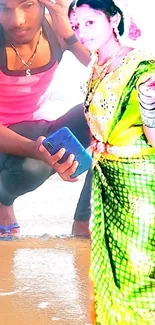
(64,138)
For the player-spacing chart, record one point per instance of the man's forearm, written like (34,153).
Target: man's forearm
(13,143)
(72,44)
(81,53)
(65,33)
(69,42)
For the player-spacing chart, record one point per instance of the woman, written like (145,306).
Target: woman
(120,109)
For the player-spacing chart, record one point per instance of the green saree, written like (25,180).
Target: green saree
(123,200)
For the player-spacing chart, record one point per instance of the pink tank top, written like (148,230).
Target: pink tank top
(25,98)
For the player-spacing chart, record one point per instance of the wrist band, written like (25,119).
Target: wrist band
(71,40)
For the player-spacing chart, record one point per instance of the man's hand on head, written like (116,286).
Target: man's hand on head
(58,10)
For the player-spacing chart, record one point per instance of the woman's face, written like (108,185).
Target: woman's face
(91,27)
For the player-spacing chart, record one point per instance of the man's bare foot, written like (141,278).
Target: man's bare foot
(80,228)
(8,222)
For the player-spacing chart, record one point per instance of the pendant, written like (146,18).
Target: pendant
(28,73)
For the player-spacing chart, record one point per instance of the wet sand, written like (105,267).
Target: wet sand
(44,276)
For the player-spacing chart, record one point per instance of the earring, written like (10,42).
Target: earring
(116,32)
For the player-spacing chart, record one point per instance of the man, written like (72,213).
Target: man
(31,48)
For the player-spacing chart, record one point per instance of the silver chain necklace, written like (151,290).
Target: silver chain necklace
(30,61)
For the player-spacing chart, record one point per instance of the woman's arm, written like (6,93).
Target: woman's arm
(146,94)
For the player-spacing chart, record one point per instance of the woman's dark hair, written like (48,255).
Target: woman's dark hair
(107,6)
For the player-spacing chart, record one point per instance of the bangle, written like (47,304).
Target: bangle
(148,117)
(71,40)
(147,111)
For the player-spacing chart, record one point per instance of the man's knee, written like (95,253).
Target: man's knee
(35,170)
(21,175)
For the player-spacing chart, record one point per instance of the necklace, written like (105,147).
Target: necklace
(90,91)
(31,59)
